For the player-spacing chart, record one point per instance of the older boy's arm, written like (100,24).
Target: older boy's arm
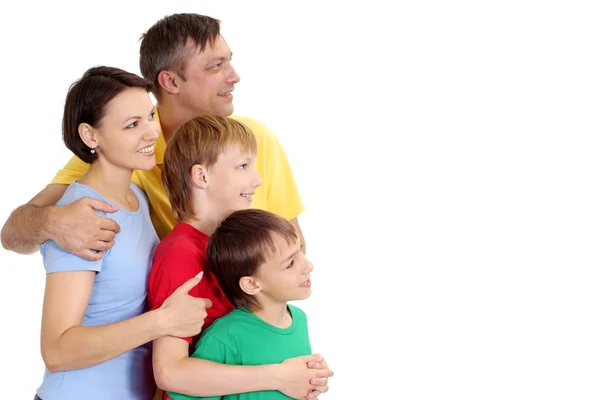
(175,371)
(76,228)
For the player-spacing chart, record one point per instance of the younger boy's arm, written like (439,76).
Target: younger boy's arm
(175,371)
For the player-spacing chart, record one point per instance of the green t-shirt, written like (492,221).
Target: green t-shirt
(241,338)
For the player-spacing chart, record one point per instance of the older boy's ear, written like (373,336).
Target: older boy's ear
(249,285)
(169,81)
(198,175)
(87,134)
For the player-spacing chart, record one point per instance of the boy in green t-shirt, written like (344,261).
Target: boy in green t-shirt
(257,259)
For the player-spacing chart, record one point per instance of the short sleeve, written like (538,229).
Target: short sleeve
(58,260)
(212,349)
(72,171)
(169,272)
(283,197)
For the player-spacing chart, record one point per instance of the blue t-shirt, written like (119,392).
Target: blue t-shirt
(119,293)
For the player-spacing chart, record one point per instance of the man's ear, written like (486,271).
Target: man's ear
(169,81)
(249,285)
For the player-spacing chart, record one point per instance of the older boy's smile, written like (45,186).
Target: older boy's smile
(247,196)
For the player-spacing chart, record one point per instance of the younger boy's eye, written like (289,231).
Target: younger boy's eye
(291,265)
(152,115)
(132,125)
(243,166)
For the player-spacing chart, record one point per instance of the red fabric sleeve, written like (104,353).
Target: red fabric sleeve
(173,268)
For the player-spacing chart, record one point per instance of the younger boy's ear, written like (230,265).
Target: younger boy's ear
(249,285)
(198,175)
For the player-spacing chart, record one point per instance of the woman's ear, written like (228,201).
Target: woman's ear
(249,285)
(88,135)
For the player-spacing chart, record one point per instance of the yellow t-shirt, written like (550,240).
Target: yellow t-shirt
(277,194)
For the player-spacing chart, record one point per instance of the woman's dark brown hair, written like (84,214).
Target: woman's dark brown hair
(87,100)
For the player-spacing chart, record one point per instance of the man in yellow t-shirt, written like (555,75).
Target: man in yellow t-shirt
(190,64)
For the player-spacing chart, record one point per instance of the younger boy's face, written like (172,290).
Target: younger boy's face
(285,275)
(232,181)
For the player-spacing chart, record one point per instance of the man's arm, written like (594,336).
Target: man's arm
(28,226)
(76,228)
(296,225)
(175,371)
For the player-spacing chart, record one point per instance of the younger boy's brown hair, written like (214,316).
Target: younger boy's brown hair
(240,245)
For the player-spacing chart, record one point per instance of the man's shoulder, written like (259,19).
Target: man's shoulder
(259,129)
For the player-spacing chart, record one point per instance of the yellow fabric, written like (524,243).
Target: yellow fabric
(277,194)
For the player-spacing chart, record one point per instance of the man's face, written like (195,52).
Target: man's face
(210,80)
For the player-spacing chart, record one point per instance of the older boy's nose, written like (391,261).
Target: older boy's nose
(257,181)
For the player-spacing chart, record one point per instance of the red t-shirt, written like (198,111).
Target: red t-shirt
(177,258)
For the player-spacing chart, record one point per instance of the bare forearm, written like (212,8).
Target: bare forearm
(26,229)
(199,377)
(85,346)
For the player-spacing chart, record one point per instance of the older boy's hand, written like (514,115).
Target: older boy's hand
(320,383)
(298,381)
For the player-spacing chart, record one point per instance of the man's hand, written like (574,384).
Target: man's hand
(298,381)
(185,313)
(77,229)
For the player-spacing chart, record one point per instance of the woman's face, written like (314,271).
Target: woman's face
(127,133)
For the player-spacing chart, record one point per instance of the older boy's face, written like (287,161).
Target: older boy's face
(232,181)
(285,275)
(210,80)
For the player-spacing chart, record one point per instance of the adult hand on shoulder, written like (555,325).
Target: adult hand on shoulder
(185,313)
(79,230)
(298,381)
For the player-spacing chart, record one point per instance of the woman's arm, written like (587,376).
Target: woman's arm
(67,345)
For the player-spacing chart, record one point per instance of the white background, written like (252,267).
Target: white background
(448,156)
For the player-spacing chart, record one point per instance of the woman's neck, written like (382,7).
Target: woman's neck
(111,182)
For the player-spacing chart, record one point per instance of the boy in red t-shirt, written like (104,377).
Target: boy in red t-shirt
(209,172)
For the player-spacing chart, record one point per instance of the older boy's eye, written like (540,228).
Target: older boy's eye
(243,166)
(152,115)
(132,125)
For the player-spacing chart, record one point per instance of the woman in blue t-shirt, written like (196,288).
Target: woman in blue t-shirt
(96,328)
